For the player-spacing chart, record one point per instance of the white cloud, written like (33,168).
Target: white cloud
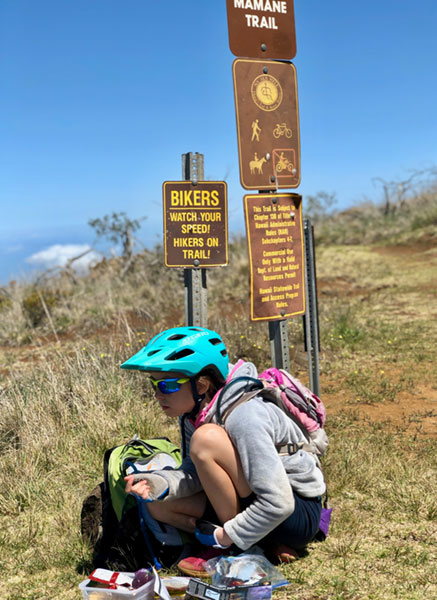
(59,254)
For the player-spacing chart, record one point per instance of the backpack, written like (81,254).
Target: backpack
(295,399)
(120,528)
(301,405)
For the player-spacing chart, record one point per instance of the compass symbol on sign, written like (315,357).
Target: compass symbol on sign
(266,92)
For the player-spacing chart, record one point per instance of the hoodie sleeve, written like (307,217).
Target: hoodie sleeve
(183,481)
(253,434)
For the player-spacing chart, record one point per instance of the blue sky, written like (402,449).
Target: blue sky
(99,99)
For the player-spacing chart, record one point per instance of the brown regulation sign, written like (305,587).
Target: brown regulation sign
(266,107)
(276,255)
(262,28)
(195,224)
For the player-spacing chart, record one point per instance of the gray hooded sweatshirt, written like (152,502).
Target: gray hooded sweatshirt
(257,428)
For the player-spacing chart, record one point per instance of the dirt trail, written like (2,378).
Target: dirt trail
(413,410)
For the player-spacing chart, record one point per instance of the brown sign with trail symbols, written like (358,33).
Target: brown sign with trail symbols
(195,224)
(262,28)
(275,241)
(267,114)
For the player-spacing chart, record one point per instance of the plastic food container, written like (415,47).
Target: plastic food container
(91,592)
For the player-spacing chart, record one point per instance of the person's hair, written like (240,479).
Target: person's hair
(215,382)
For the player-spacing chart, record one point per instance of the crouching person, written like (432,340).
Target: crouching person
(235,487)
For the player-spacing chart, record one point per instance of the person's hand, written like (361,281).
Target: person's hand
(140,489)
(209,534)
(222,537)
(149,487)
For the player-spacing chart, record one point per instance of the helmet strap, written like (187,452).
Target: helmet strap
(198,399)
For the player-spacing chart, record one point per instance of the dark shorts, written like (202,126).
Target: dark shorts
(296,531)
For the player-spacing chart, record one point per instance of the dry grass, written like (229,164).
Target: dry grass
(63,401)
(412,217)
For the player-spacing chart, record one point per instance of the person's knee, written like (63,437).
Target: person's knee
(207,442)
(159,511)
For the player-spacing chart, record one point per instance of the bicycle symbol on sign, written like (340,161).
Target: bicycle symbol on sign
(282,129)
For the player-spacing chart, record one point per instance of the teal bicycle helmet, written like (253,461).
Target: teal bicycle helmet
(187,350)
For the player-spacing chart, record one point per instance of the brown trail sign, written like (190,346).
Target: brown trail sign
(262,28)
(275,242)
(195,224)
(267,114)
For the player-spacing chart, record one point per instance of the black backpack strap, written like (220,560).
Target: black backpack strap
(293,447)
(243,398)
(252,385)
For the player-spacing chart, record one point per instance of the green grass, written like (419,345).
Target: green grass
(64,400)
(382,486)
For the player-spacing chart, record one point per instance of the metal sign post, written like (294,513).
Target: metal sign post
(277,267)
(195,283)
(195,232)
(311,317)
(266,106)
(278,336)
(196,293)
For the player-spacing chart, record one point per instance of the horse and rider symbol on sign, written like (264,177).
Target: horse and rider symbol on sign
(256,165)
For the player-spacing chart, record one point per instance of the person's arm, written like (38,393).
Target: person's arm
(166,484)
(254,429)
(169,484)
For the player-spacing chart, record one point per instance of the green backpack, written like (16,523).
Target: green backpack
(128,536)
(137,456)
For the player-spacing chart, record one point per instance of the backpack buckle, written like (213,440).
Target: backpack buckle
(292,448)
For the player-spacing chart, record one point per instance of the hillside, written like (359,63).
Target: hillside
(63,401)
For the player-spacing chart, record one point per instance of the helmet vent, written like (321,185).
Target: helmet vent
(152,352)
(181,354)
(224,353)
(215,341)
(177,336)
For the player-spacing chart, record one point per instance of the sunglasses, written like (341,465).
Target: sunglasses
(168,386)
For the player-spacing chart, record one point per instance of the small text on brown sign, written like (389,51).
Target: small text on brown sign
(276,255)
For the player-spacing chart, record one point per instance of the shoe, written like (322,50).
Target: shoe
(195,565)
(284,554)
